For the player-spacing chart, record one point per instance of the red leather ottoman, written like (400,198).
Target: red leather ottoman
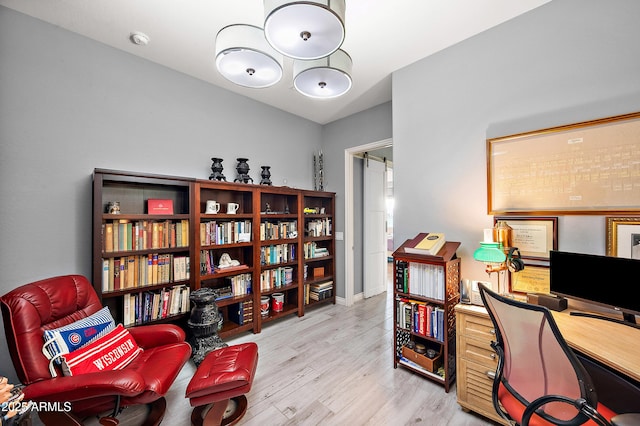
(218,387)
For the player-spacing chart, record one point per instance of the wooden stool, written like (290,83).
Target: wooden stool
(218,387)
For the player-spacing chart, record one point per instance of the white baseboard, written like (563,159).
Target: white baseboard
(356,298)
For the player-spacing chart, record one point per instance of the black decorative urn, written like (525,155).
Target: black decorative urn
(216,169)
(205,322)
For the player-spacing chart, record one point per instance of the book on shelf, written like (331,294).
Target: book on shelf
(241,313)
(224,292)
(428,243)
(156,206)
(321,286)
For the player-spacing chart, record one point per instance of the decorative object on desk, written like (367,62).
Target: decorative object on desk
(554,303)
(428,243)
(155,206)
(623,236)
(243,171)
(502,233)
(265,174)
(113,207)
(226,261)
(216,170)
(213,207)
(493,257)
(232,208)
(205,322)
(491,254)
(318,171)
(514,260)
(535,237)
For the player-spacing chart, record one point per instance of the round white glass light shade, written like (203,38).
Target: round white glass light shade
(244,57)
(328,77)
(304,29)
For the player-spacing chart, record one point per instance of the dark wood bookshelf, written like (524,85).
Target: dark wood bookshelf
(189,197)
(449,288)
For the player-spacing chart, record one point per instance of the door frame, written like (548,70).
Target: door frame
(349,235)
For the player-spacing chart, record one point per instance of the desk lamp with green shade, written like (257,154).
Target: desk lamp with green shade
(493,256)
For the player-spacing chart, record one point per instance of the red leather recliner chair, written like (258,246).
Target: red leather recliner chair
(51,303)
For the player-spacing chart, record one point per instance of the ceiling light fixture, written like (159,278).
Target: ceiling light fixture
(324,78)
(309,32)
(304,29)
(244,57)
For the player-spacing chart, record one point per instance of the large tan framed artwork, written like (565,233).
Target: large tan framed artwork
(591,167)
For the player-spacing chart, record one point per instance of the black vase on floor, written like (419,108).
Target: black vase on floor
(205,322)
(265,174)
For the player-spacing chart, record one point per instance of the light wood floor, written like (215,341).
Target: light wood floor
(333,366)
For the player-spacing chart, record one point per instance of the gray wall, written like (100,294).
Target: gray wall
(567,61)
(368,126)
(69,104)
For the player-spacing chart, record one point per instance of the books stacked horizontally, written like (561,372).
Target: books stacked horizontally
(428,243)
(320,291)
(241,313)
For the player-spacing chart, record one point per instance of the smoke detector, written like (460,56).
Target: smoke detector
(139,38)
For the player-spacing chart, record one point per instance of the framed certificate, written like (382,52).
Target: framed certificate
(532,279)
(534,237)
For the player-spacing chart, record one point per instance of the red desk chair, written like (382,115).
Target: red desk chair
(539,380)
(31,309)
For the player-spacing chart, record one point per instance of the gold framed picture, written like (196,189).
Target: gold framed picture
(532,279)
(623,236)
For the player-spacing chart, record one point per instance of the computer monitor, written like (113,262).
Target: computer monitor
(611,282)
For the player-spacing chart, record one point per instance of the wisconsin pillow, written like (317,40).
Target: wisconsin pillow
(113,351)
(73,336)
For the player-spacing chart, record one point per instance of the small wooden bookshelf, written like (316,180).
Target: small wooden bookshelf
(426,290)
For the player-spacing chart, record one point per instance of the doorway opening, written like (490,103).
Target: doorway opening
(355,217)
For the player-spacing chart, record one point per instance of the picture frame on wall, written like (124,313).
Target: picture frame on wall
(532,279)
(580,168)
(623,236)
(534,236)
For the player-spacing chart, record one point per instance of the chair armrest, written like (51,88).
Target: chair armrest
(584,409)
(150,336)
(75,388)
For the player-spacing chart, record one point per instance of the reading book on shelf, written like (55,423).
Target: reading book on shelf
(426,243)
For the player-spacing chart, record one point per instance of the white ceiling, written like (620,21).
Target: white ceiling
(381,37)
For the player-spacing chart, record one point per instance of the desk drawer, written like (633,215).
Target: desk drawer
(480,328)
(478,351)
(477,388)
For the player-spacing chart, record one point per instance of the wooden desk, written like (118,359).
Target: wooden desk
(615,345)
